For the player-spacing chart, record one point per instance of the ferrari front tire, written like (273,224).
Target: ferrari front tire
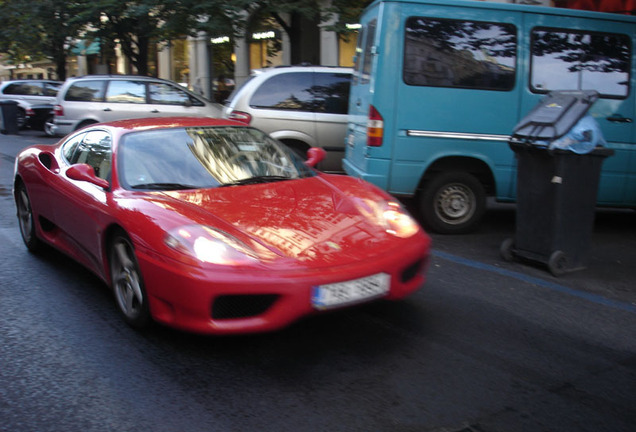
(127,282)
(26,219)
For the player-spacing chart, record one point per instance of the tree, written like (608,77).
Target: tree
(37,29)
(300,19)
(138,23)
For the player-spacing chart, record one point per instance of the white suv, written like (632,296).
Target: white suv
(301,106)
(101,98)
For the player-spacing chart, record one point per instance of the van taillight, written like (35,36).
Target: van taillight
(58,110)
(375,128)
(240,116)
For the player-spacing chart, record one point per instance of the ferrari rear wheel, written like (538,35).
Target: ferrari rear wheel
(25,218)
(127,282)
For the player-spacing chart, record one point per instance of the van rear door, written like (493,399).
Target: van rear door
(360,95)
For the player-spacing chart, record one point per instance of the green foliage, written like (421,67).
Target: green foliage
(34,29)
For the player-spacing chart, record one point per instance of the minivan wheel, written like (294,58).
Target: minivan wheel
(84,124)
(452,202)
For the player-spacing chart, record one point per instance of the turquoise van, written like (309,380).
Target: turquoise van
(439,86)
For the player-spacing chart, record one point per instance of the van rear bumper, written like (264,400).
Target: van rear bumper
(381,181)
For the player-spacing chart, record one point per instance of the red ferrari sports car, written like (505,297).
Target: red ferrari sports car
(211,226)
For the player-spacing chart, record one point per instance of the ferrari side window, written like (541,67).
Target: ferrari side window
(70,146)
(95,150)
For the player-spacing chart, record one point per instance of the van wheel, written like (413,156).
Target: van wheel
(452,203)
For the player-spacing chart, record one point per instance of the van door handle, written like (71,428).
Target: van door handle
(107,109)
(617,118)
(154,111)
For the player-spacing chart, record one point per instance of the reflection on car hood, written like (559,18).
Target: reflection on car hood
(319,220)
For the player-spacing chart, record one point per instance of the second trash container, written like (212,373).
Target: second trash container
(559,159)
(9,117)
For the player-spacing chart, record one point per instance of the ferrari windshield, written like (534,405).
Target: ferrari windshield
(204,157)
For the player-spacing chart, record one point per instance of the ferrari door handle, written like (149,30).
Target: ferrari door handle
(617,118)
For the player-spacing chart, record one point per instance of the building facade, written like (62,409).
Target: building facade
(212,65)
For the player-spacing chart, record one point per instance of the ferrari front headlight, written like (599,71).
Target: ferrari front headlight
(391,216)
(210,245)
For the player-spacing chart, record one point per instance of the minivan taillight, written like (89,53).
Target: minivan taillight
(240,116)
(58,110)
(375,128)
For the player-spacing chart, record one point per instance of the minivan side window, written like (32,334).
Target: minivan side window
(86,91)
(51,89)
(126,92)
(290,91)
(459,53)
(578,60)
(165,94)
(331,93)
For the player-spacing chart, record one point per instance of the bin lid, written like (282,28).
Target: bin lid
(555,115)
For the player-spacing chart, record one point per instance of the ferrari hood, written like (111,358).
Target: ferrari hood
(325,220)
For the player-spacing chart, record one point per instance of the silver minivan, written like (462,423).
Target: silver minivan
(301,106)
(101,98)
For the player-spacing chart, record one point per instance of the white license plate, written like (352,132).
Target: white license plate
(353,291)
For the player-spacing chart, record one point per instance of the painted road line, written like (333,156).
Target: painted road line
(595,298)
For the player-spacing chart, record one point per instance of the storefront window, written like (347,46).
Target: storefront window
(180,61)
(347,49)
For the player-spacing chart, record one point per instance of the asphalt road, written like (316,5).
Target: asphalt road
(484,346)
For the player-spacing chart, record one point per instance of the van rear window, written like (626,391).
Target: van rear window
(459,53)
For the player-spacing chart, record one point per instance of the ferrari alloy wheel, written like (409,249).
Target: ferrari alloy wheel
(25,218)
(127,282)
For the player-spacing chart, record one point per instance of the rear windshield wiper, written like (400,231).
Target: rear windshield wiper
(165,186)
(256,180)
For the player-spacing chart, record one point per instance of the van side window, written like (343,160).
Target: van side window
(578,60)
(291,92)
(86,91)
(457,53)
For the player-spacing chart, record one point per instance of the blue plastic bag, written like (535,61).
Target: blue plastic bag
(584,136)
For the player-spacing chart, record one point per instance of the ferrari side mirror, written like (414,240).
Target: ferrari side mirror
(85,172)
(315,155)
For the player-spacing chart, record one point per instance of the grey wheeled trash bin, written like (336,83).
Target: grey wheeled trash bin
(556,188)
(9,117)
